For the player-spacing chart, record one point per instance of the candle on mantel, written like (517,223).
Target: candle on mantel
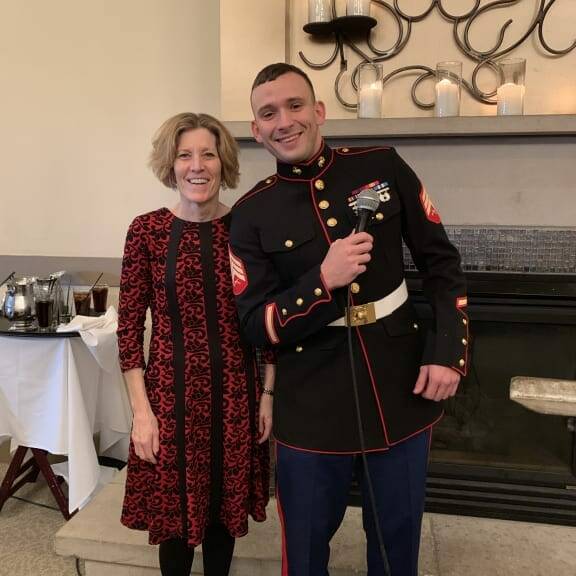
(358,8)
(510,99)
(447,98)
(319,11)
(370,101)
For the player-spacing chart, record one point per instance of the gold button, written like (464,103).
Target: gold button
(296,170)
(331,222)
(379,216)
(319,184)
(317,291)
(355,288)
(464,321)
(321,161)
(268,180)
(344,150)
(299,348)
(323,204)
(415,325)
(284,312)
(288,243)
(464,341)
(299,301)
(461,362)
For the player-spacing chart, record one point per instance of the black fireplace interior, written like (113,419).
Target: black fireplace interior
(490,456)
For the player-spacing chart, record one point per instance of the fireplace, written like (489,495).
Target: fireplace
(490,456)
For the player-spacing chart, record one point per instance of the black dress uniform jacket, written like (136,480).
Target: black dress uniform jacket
(280,233)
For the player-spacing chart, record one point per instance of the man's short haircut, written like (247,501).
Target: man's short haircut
(274,71)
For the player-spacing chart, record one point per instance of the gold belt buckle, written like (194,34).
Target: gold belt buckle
(360,315)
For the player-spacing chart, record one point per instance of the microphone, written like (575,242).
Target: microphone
(367,203)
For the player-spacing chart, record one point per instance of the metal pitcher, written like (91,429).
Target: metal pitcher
(18,304)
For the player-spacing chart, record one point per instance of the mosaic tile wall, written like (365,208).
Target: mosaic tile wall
(512,249)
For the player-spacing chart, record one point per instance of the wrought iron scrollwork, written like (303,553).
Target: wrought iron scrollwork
(461,27)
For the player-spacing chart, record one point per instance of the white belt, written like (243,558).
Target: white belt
(372,311)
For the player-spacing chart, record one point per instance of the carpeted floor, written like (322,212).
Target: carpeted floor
(27,534)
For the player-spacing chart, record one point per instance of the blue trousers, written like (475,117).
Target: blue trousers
(312,495)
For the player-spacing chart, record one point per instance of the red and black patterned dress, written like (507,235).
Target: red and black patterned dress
(201,381)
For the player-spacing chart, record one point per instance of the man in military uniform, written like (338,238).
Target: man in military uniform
(294,251)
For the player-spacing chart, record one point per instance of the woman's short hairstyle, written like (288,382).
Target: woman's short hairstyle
(166,140)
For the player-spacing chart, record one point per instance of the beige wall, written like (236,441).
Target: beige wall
(551,82)
(84,87)
(252,35)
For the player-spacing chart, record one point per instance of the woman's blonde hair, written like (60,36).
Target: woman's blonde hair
(165,147)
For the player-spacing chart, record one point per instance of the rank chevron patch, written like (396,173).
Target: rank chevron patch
(239,276)
(429,209)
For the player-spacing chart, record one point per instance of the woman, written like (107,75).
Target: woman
(198,461)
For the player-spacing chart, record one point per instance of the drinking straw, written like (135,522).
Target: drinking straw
(97,279)
(7,278)
(68,294)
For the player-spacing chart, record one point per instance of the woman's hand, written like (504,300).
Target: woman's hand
(266,403)
(145,436)
(265,417)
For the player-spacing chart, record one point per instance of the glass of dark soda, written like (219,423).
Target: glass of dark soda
(100,298)
(82,302)
(44,304)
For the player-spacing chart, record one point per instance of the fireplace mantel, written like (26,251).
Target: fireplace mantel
(460,127)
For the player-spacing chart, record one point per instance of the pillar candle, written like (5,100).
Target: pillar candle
(510,99)
(447,98)
(358,8)
(319,11)
(370,101)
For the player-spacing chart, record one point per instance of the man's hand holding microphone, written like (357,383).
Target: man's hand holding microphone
(346,259)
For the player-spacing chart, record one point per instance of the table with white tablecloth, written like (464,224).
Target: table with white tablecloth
(56,393)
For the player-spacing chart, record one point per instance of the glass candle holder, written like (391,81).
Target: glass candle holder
(319,11)
(448,88)
(357,7)
(369,90)
(510,93)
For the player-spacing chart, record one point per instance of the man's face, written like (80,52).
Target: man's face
(287,119)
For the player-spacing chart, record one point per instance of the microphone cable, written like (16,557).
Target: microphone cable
(368,478)
(367,203)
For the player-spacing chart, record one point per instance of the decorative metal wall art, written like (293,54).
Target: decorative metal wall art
(348,30)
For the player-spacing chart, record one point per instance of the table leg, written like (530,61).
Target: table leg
(14,478)
(15,470)
(52,481)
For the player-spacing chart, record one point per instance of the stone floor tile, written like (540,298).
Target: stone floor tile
(481,546)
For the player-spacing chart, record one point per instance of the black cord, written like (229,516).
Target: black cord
(78,567)
(362,442)
(35,503)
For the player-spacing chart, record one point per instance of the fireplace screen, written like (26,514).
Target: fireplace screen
(483,426)
(491,456)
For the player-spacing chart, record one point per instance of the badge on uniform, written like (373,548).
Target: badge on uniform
(428,207)
(239,276)
(382,188)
